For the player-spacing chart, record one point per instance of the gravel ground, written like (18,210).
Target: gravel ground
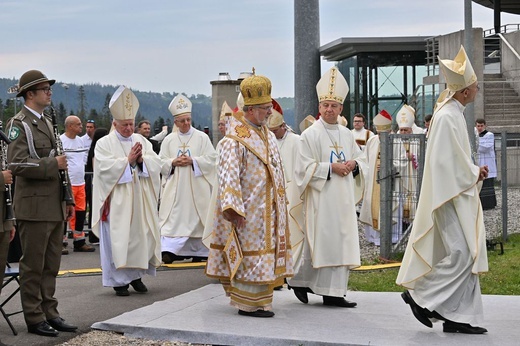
(100,338)
(369,252)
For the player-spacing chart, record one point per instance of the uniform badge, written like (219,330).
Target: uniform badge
(14,133)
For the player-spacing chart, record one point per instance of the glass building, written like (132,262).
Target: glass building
(383,73)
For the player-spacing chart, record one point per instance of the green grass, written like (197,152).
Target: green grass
(502,278)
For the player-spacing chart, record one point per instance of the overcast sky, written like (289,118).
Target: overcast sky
(179,46)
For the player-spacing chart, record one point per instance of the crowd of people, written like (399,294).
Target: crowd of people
(265,207)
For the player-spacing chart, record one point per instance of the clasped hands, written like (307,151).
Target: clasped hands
(182,161)
(343,168)
(136,154)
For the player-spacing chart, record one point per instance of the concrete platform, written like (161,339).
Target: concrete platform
(204,316)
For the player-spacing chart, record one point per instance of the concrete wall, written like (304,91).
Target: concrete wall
(511,63)
(221,91)
(449,46)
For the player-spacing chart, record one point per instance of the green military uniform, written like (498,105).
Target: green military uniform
(40,213)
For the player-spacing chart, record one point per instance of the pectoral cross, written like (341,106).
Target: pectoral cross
(184,146)
(337,147)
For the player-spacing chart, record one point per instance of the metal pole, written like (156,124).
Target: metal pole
(469,112)
(385,181)
(503,183)
(306,57)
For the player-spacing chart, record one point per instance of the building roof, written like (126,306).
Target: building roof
(509,6)
(347,47)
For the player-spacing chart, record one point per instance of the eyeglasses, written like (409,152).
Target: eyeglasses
(46,90)
(265,108)
(91,121)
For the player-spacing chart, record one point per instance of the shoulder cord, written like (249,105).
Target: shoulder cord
(30,141)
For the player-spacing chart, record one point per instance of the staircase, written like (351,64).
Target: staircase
(501,104)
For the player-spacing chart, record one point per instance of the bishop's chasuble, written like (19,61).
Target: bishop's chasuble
(124,207)
(186,191)
(251,182)
(329,204)
(447,245)
(288,147)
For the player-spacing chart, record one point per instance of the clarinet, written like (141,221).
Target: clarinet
(67,197)
(4,141)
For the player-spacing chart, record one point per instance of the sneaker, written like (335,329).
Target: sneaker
(84,248)
(64,251)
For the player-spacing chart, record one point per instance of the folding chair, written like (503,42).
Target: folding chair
(11,274)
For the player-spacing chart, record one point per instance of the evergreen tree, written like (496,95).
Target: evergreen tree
(159,123)
(82,102)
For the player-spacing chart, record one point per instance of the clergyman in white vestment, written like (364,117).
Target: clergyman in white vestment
(447,246)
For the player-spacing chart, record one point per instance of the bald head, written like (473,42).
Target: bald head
(73,126)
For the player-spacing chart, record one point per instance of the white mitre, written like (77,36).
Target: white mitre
(240,102)
(307,122)
(383,121)
(276,117)
(123,104)
(406,117)
(459,73)
(332,86)
(180,105)
(225,111)
(342,120)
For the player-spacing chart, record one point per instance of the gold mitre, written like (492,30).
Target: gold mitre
(256,90)
(332,86)
(342,120)
(406,117)
(459,73)
(276,117)
(123,104)
(383,121)
(225,111)
(307,122)
(180,105)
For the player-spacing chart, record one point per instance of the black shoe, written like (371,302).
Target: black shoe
(198,259)
(59,323)
(464,328)
(257,313)
(122,291)
(338,301)
(138,286)
(300,293)
(169,257)
(420,313)
(43,329)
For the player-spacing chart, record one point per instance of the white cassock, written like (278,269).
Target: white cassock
(331,246)
(288,147)
(186,191)
(371,207)
(447,246)
(124,209)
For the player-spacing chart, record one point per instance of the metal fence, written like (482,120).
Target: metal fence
(400,178)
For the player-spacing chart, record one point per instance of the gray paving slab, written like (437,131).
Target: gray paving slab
(205,316)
